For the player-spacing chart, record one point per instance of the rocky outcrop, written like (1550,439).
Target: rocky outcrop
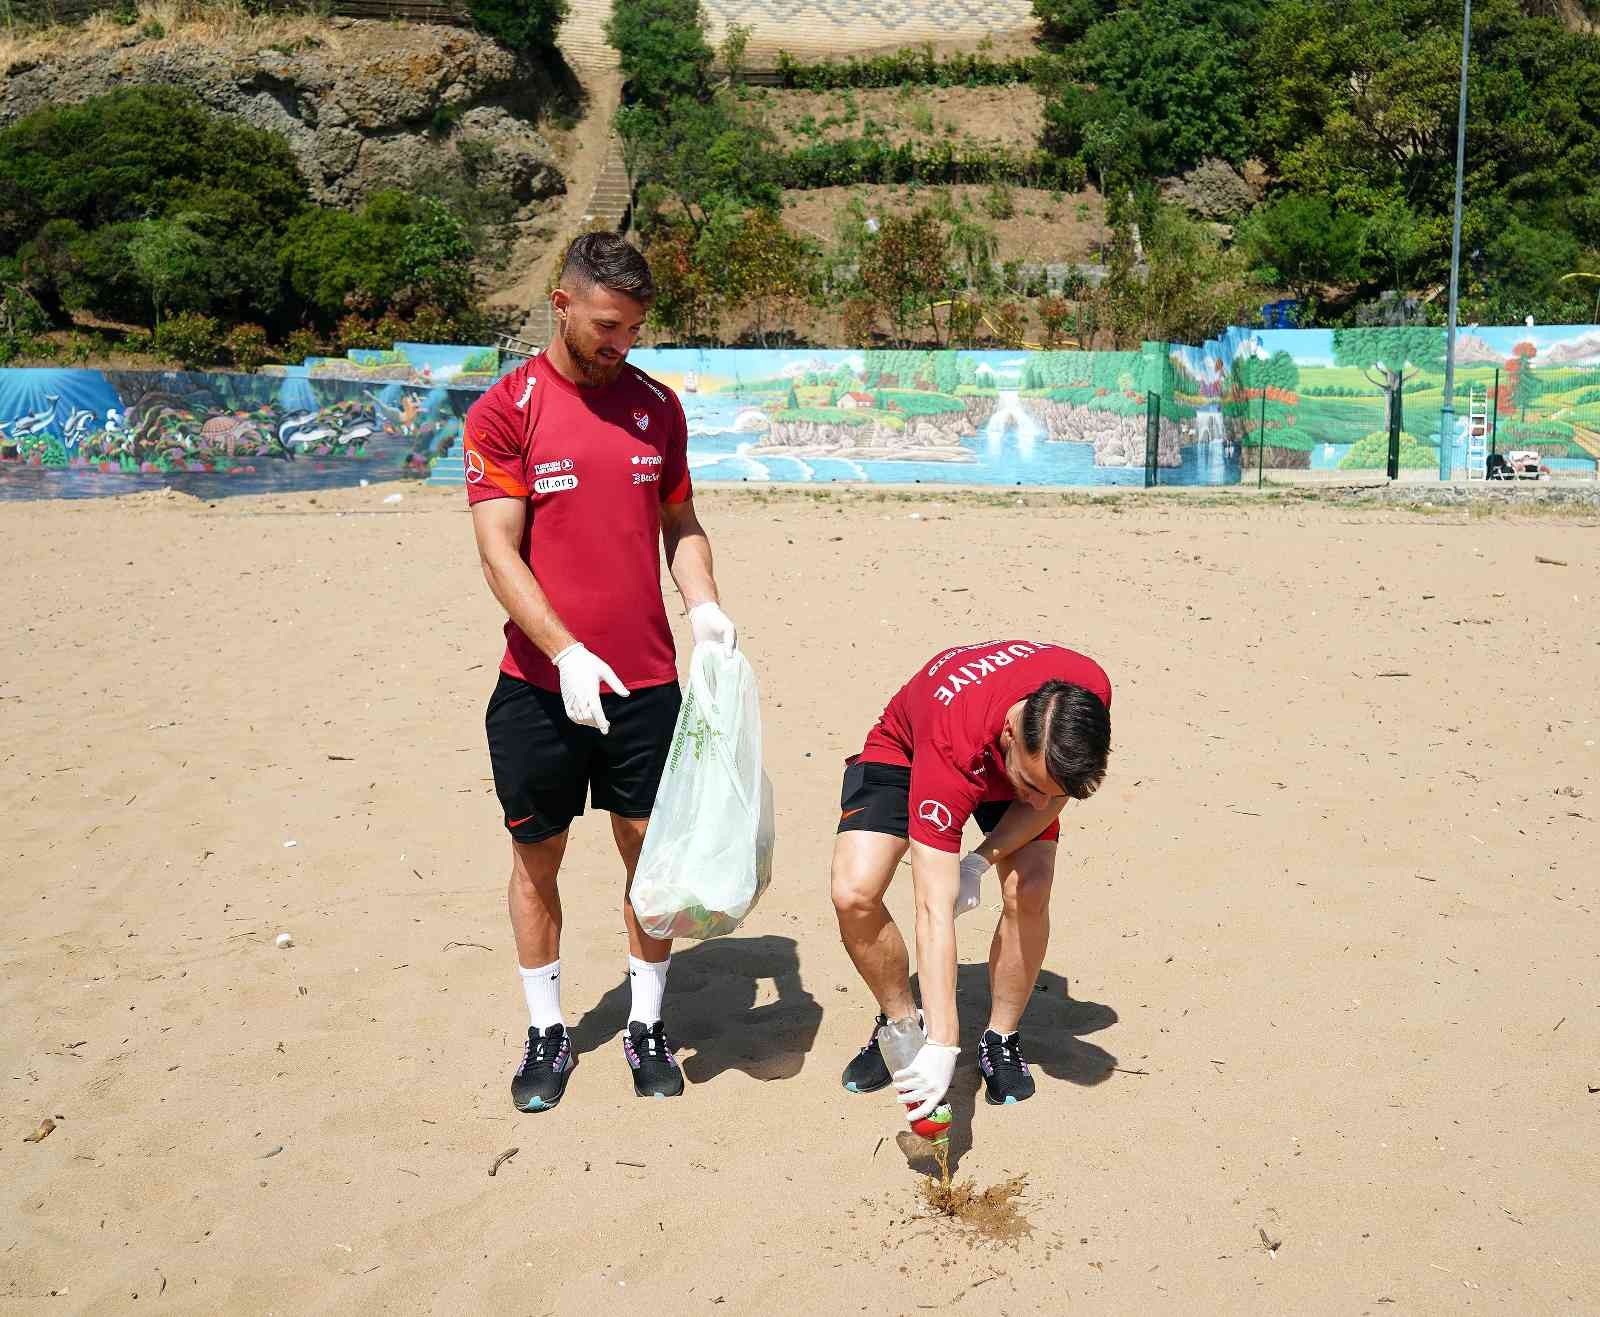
(1117,440)
(921,440)
(1215,190)
(364,105)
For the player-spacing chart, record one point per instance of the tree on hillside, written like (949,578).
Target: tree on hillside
(662,48)
(1301,243)
(1390,358)
(702,157)
(763,267)
(905,268)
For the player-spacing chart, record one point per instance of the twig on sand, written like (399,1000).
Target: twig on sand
(882,1137)
(638,1166)
(504,1157)
(1394,674)
(1119,1070)
(961,1293)
(1548,562)
(1268,1243)
(479,945)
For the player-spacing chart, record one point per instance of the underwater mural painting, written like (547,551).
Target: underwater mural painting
(81,433)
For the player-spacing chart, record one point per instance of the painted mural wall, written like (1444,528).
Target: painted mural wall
(1320,400)
(83,433)
(959,417)
(1328,393)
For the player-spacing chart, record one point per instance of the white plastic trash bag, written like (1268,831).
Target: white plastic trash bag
(707,854)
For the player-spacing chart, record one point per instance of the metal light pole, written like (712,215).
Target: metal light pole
(1447,413)
(1584,274)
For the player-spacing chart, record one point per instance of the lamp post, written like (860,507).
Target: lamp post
(1584,274)
(1447,412)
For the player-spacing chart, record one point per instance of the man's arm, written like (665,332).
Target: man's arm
(498,524)
(688,553)
(1019,825)
(935,876)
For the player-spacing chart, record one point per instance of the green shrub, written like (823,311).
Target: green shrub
(662,48)
(299,344)
(247,345)
(1372,451)
(520,24)
(904,66)
(191,338)
(853,161)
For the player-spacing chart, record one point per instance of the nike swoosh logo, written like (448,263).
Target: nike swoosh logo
(517,823)
(851,813)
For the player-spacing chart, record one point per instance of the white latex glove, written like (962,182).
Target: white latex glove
(581,675)
(927,1079)
(973,867)
(711,626)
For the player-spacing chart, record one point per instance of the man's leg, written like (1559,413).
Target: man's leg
(863,866)
(534,899)
(539,760)
(1016,955)
(655,1068)
(1022,934)
(629,834)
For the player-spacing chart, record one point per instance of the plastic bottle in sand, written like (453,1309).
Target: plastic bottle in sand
(900,1041)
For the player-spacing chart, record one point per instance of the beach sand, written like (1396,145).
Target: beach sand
(1322,974)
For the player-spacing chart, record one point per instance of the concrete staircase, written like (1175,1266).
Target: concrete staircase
(608,207)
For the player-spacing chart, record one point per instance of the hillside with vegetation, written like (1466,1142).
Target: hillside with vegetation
(1142,170)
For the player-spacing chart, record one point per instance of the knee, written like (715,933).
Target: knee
(853,896)
(1028,896)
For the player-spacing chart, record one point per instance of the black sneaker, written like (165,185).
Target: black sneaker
(868,1071)
(1005,1074)
(547,1061)
(655,1068)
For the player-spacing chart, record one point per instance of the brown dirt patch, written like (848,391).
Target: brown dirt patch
(923,116)
(1043,226)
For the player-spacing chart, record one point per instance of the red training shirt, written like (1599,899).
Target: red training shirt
(944,724)
(595,465)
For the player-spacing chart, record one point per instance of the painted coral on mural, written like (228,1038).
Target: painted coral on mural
(260,431)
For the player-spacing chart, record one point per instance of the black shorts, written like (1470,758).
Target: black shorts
(875,798)
(545,765)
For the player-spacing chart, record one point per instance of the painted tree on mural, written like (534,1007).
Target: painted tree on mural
(1390,359)
(1517,388)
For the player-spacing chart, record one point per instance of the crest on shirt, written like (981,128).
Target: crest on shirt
(642,420)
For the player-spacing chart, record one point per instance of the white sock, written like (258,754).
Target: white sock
(542,988)
(648,980)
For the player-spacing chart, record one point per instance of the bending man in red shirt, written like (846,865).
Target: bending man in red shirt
(577,468)
(1004,733)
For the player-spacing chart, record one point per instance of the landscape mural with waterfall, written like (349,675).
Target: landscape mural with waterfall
(952,417)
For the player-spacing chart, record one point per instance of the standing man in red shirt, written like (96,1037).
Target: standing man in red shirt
(577,468)
(1004,733)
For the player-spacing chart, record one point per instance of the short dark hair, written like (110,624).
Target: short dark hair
(1074,728)
(606,260)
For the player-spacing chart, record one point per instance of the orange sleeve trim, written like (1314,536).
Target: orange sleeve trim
(681,493)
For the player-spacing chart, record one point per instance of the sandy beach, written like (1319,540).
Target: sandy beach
(1319,1030)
